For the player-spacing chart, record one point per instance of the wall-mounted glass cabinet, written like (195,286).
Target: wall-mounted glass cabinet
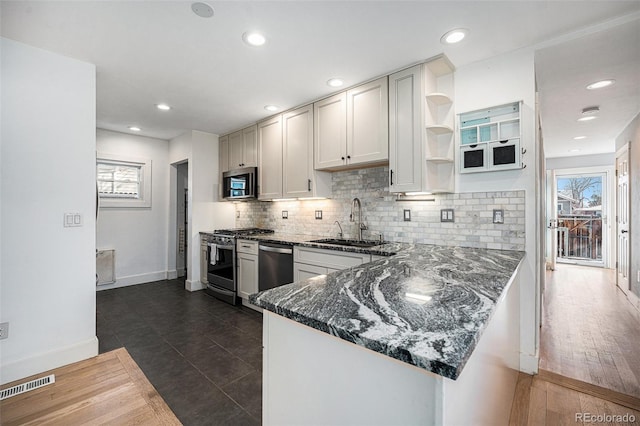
(490,139)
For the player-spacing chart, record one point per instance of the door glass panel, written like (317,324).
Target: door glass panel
(580,201)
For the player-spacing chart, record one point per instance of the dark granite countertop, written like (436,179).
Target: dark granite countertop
(425,305)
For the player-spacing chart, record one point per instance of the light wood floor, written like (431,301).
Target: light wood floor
(590,331)
(540,402)
(107,389)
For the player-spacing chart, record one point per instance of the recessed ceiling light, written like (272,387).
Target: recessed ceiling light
(577,138)
(592,110)
(253,38)
(574,150)
(203,10)
(587,118)
(163,107)
(134,128)
(335,82)
(600,84)
(454,36)
(271,108)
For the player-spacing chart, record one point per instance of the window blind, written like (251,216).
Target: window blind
(118,180)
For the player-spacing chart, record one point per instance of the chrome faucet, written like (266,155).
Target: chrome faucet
(340,234)
(361,226)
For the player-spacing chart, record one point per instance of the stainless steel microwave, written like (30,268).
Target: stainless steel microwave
(240,184)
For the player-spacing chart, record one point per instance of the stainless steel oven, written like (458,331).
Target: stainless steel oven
(222,282)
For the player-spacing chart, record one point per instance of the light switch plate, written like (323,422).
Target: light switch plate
(319,214)
(407,215)
(72,220)
(285,214)
(447,215)
(498,216)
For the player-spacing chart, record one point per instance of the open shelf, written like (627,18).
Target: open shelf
(439,98)
(440,160)
(439,129)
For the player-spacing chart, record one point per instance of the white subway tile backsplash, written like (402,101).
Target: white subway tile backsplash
(473,226)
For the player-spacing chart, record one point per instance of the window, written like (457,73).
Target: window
(123,182)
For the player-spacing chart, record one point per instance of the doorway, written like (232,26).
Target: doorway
(581,218)
(182,219)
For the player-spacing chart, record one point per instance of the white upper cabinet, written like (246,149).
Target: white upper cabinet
(243,148)
(367,123)
(405,130)
(351,128)
(330,134)
(299,177)
(223,153)
(421,122)
(270,155)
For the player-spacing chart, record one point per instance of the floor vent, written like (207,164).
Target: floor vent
(26,387)
(105,266)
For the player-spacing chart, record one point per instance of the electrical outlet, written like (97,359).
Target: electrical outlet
(237,214)
(319,214)
(498,216)
(407,215)
(285,214)
(4,330)
(639,276)
(446,215)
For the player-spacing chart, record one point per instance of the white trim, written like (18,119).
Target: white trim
(145,182)
(135,279)
(46,361)
(194,285)
(529,363)
(172,274)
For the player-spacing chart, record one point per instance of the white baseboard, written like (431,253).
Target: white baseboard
(46,361)
(194,285)
(172,274)
(529,363)
(135,279)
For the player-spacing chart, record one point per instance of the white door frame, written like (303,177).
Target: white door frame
(608,213)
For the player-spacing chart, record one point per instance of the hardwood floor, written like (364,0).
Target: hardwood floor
(541,402)
(590,331)
(107,389)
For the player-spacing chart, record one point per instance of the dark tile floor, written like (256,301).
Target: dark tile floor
(202,355)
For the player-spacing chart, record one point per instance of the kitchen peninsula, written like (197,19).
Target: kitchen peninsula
(427,335)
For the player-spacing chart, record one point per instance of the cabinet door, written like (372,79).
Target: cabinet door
(303,271)
(330,131)
(270,158)
(235,150)
(203,264)
(247,274)
(250,146)
(405,131)
(297,135)
(367,123)
(223,152)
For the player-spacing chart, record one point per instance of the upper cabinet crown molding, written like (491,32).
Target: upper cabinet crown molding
(351,128)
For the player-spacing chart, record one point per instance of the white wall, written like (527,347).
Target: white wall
(47,288)
(500,80)
(138,235)
(578,161)
(200,150)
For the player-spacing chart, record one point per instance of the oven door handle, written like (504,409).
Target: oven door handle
(223,247)
(276,249)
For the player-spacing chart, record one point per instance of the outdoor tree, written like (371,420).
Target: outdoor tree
(577,187)
(595,200)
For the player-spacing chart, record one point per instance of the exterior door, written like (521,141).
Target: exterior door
(622,215)
(553,220)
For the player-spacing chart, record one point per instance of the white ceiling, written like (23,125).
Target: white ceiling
(147,52)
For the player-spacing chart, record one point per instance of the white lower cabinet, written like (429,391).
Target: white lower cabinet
(310,262)
(247,265)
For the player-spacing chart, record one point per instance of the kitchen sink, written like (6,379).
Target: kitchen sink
(349,243)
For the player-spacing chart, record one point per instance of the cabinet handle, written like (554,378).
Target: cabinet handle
(349,157)
(245,246)
(391,184)
(309,184)
(504,141)
(343,158)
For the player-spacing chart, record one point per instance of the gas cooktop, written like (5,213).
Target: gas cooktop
(237,232)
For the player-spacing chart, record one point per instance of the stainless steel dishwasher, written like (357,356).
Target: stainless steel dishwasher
(275,265)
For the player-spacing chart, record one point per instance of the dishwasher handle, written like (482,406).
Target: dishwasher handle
(276,249)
